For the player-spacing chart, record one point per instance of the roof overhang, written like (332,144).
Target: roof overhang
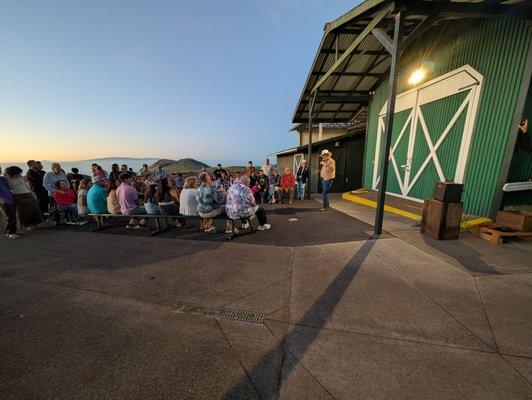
(315,145)
(352,60)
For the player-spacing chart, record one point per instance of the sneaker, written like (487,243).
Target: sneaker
(264,227)
(245,225)
(71,223)
(212,229)
(82,223)
(12,236)
(229,230)
(130,226)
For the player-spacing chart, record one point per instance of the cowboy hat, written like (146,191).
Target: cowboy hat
(324,152)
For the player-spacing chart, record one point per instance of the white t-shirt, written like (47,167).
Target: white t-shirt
(267,169)
(82,209)
(188,205)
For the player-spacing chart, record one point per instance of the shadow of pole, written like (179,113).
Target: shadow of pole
(316,317)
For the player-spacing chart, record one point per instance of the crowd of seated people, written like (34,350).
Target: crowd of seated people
(237,195)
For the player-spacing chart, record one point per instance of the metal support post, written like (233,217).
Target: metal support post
(396,52)
(309,153)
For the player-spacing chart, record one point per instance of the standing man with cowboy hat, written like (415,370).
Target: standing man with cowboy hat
(328,173)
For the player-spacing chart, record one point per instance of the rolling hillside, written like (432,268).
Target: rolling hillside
(183,165)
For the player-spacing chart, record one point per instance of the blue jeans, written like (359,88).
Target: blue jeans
(325,188)
(70,211)
(300,187)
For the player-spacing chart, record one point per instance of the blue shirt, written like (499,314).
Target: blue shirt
(97,200)
(5,192)
(209,199)
(160,174)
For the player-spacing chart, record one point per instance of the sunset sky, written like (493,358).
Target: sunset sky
(202,79)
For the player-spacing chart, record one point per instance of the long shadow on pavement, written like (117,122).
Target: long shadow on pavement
(316,317)
(465,255)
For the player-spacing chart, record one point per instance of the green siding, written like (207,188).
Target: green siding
(495,48)
(521,166)
(437,114)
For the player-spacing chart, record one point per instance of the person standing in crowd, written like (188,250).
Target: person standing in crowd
(75,178)
(101,173)
(250,168)
(65,200)
(267,168)
(252,178)
(83,189)
(188,204)
(241,205)
(218,171)
(327,173)
(8,210)
(179,181)
(35,177)
(131,172)
(52,177)
(123,169)
(264,186)
(301,180)
(27,208)
(115,173)
(113,207)
(94,172)
(288,184)
(98,172)
(129,201)
(210,202)
(225,181)
(275,187)
(144,173)
(160,173)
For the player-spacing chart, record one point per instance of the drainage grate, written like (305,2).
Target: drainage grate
(239,315)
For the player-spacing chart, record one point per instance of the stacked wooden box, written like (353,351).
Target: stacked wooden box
(441,220)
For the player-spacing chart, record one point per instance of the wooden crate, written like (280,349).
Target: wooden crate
(441,221)
(495,236)
(514,220)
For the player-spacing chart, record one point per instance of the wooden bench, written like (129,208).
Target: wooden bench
(158,217)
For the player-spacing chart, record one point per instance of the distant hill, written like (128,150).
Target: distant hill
(183,165)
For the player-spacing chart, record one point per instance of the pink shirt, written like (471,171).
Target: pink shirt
(127,198)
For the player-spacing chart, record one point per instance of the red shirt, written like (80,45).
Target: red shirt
(288,181)
(65,199)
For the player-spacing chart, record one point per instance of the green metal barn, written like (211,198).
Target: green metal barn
(459,75)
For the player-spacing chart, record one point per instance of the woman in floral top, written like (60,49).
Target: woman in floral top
(210,202)
(241,204)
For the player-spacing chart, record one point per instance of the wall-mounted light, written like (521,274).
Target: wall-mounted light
(417,77)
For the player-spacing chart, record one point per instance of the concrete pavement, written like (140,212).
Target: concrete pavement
(95,315)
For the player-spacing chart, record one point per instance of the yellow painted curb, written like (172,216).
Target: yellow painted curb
(474,222)
(370,203)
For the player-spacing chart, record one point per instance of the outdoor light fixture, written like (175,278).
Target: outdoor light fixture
(417,77)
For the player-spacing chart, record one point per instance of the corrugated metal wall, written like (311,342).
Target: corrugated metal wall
(521,166)
(495,48)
